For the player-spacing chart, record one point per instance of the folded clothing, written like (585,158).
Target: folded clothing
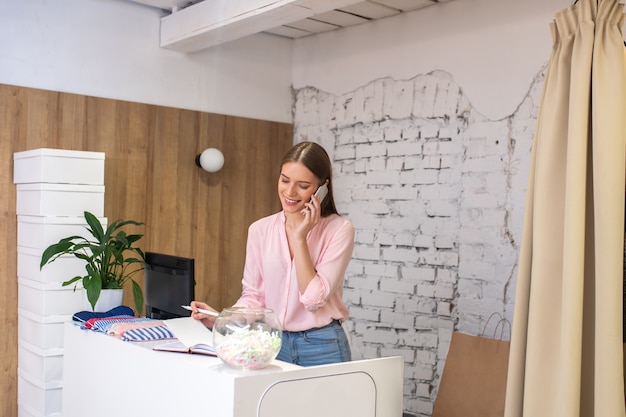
(104,324)
(146,334)
(118,329)
(122,323)
(84,316)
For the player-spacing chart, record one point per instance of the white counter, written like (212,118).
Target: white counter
(104,376)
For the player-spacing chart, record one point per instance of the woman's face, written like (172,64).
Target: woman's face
(296,185)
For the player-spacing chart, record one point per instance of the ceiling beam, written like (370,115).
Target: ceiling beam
(213,22)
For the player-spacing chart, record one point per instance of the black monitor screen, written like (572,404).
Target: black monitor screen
(169,283)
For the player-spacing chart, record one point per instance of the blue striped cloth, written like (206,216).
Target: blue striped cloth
(138,334)
(145,334)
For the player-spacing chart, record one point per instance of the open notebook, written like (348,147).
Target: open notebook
(192,335)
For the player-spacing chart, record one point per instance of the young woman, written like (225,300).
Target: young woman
(296,260)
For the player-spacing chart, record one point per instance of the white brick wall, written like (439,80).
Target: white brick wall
(436,194)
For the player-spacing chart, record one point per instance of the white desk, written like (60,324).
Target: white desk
(104,376)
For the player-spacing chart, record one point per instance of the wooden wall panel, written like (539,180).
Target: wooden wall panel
(9,110)
(150,176)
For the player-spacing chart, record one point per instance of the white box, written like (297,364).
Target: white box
(59,199)
(58,166)
(44,365)
(49,299)
(38,398)
(62,269)
(43,332)
(24,410)
(42,231)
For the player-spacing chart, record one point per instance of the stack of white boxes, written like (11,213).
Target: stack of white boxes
(54,188)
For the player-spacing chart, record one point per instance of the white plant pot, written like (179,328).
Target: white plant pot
(108,299)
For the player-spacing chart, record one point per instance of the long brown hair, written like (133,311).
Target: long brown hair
(314,157)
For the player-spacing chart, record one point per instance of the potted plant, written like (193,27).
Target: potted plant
(110,258)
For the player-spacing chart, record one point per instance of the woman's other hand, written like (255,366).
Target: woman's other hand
(206,319)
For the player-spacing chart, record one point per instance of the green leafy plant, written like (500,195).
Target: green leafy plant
(110,258)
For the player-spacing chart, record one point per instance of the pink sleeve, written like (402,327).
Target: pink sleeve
(336,252)
(252,293)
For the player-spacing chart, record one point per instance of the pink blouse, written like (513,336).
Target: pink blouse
(269,277)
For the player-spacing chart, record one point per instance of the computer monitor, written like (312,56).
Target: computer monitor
(168,283)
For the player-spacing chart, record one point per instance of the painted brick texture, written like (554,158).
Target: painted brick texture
(436,194)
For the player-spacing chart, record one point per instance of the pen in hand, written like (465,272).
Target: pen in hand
(203,311)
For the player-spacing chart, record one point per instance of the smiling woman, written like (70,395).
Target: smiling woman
(296,260)
(311,162)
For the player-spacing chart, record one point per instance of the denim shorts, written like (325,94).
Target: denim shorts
(319,346)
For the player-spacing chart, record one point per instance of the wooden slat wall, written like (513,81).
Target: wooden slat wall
(150,176)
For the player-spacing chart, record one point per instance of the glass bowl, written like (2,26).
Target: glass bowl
(247,338)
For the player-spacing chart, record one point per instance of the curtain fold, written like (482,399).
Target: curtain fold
(566,355)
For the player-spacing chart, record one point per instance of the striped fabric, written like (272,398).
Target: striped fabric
(145,334)
(89,324)
(103,325)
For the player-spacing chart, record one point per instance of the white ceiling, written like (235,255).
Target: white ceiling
(189,26)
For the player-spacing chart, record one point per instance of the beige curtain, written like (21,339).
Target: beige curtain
(566,354)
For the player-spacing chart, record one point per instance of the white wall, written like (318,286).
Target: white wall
(110,48)
(493,49)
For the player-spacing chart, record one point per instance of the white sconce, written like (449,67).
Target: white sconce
(210,160)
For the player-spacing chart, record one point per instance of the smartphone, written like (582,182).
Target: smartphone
(321,193)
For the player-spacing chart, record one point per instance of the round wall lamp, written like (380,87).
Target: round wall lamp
(210,160)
